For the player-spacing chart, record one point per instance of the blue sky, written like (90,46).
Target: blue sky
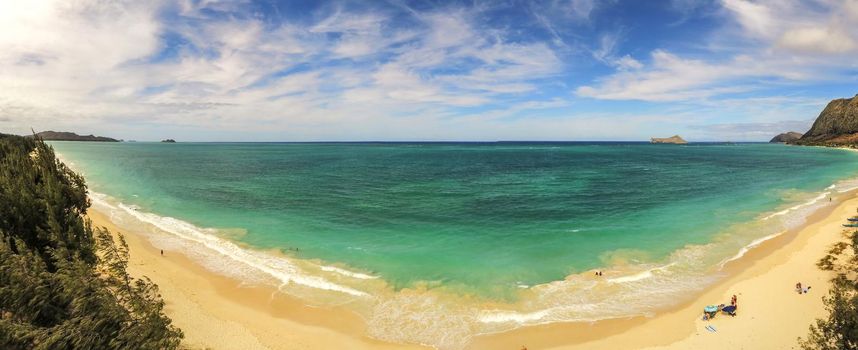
(424,70)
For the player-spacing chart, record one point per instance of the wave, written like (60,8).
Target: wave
(847,185)
(348,273)
(640,276)
(280,268)
(744,250)
(511,316)
(813,201)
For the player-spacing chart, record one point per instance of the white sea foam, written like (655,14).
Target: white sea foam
(348,273)
(498,316)
(641,275)
(279,268)
(847,185)
(813,201)
(744,250)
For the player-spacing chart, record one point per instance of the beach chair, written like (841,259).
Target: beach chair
(730,310)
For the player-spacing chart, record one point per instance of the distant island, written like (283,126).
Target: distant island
(675,139)
(169,141)
(836,125)
(70,136)
(790,136)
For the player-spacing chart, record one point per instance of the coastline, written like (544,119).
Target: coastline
(218,312)
(221,312)
(771,314)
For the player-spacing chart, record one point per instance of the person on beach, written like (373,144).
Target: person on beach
(162,252)
(798,287)
(733,300)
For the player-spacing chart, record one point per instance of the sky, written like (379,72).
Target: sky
(208,70)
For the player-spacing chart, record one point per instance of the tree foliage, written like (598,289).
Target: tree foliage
(839,331)
(63,283)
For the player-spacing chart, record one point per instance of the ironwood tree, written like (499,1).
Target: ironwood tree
(63,283)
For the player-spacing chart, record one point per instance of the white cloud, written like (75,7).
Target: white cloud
(851,9)
(818,27)
(581,8)
(101,63)
(816,40)
(755,17)
(672,78)
(628,63)
(779,42)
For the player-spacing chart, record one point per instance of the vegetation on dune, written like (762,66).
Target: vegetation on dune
(839,331)
(63,283)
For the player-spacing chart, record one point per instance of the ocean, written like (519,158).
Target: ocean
(471,237)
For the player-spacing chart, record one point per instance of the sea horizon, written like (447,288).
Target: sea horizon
(440,142)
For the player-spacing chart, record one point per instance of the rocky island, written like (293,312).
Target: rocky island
(675,139)
(786,137)
(168,141)
(837,125)
(70,136)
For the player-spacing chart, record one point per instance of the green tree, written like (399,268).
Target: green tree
(839,330)
(63,283)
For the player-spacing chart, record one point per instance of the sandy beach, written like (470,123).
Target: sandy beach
(216,312)
(221,313)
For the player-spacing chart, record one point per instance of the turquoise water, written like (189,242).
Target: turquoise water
(479,218)
(433,243)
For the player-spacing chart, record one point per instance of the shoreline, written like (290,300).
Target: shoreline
(221,312)
(764,278)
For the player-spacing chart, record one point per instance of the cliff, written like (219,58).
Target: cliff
(791,136)
(70,136)
(837,125)
(676,139)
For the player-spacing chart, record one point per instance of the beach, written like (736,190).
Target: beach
(222,313)
(216,312)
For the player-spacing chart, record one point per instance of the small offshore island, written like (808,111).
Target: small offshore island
(675,139)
